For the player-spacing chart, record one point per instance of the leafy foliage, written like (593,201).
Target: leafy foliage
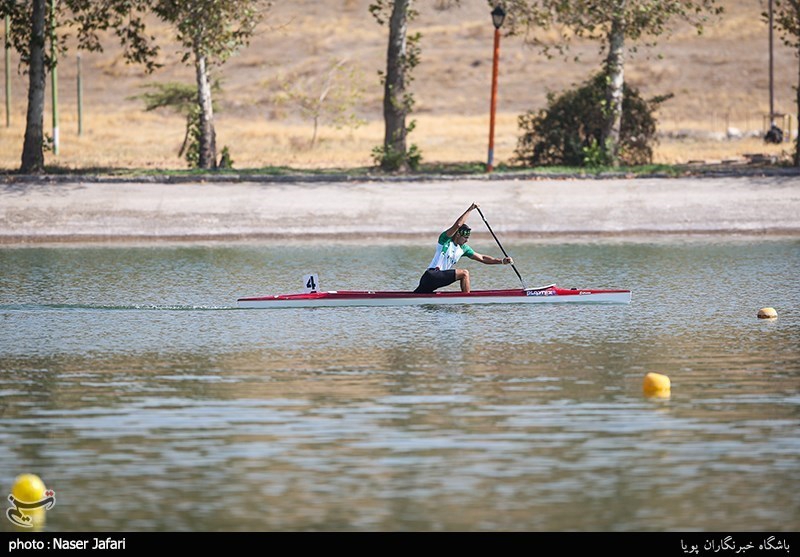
(593,19)
(33,23)
(181,99)
(124,17)
(88,18)
(612,23)
(225,160)
(787,20)
(570,130)
(214,29)
(391,160)
(178,97)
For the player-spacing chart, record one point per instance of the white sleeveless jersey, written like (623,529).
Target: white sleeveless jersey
(448,253)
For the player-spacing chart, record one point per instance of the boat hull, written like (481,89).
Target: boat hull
(352,298)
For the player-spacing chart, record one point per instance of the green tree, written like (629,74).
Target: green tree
(180,98)
(32,26)
(402,57)
(569,132)
(210,31)
(613,22)
(787,20)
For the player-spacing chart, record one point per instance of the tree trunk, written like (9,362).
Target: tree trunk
(394,105)
(32,149)
(615,72)
(316,127)
(208,139)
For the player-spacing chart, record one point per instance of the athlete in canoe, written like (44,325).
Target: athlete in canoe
(451,246)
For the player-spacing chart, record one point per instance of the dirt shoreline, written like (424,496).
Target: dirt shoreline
(81,211)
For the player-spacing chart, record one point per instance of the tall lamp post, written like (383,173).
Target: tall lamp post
(498,15)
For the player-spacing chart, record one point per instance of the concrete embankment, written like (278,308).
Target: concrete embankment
(35,212)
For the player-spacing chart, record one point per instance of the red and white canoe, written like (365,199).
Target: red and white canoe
(348,298)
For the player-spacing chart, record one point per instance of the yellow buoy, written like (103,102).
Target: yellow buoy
(656,384)
(767,313)
(28,488)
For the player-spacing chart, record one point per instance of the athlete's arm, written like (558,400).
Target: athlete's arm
(461,220)
(489,260)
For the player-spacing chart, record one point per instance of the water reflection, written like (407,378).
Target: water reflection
(127,377)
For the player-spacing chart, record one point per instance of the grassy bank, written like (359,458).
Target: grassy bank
(124,142)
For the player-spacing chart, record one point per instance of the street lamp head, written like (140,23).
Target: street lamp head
(498,15)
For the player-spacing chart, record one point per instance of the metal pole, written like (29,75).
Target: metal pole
(80,98)
(7,42)
(54,75)
(490,163)
(771,82)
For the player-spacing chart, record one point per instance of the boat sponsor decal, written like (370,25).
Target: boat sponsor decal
(583,293)
(540,292)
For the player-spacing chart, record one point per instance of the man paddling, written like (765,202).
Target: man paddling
(451,246)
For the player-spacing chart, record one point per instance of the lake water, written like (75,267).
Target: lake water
(133,386)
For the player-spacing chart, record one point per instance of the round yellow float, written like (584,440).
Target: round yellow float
(28,488)
(767,313)
(656,384)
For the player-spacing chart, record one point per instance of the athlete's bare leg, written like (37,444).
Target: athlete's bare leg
(462,275)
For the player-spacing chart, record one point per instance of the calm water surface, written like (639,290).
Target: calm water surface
(133,386)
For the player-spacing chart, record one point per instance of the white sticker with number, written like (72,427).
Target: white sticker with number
(311,283)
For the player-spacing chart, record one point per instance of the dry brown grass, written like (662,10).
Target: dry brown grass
(720,80)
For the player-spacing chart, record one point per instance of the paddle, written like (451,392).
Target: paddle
(522,280)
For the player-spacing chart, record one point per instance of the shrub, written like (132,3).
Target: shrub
(570,130)
(392,161)
(225,160)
